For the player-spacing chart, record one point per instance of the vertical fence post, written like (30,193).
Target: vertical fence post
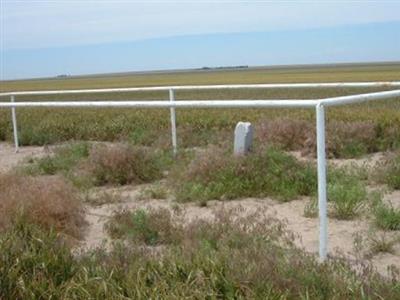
(14,123)
(322,198)
(173,122)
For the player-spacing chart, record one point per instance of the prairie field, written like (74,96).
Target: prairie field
(94,205)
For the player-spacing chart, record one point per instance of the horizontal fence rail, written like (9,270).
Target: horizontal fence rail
(169,104)
(318,104)
(212,87)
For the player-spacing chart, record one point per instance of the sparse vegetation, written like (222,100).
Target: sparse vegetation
(369,244)
(382,243)
(392,176)
(63,160)
(150,228)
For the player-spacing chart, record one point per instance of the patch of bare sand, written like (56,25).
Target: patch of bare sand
(9,158)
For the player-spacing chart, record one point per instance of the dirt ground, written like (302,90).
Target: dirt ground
(341,233)
(9,158)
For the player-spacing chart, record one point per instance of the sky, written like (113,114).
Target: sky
(49,38)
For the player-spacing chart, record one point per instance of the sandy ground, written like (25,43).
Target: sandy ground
(9,158)
(341,233)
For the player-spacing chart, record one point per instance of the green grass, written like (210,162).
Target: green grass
(217,174)
(346,193)
(149,228)
(386,216)
(231,258)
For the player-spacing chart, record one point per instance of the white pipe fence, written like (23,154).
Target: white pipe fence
(318,104)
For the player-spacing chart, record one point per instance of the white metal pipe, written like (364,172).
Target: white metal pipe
(169,104)
(322,195)
(14,124)
(359,98)
(211,87)
(173,122)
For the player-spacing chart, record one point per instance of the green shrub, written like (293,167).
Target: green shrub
(219,175)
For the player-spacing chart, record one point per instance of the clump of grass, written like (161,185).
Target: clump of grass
(367,245)
(386,216)
(151,227)
(123,164)
(346,193)
(347,199)
(382,243)
(250,257)
(215,174)
(46,202)
(64,159)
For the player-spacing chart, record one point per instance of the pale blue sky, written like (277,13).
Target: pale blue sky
(46,38)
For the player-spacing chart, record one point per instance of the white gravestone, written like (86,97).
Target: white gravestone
(243,138)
